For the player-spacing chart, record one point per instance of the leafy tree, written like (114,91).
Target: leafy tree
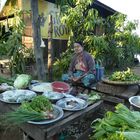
(12,47)
(123,44)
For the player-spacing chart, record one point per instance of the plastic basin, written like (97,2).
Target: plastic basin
(61,87)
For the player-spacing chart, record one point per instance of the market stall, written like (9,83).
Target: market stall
(64,108)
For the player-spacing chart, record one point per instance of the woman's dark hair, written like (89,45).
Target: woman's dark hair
(80,42)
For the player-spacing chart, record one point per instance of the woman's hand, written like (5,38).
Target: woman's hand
(75,79)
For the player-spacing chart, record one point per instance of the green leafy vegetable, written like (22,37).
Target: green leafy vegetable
(39,108)
(122,124)
(22,81)
(93,97)
(127,75)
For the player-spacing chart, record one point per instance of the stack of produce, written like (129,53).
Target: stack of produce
(39,108)
(122,124)
(127,75)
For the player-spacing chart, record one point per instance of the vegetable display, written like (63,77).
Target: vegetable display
(22,81)
(122,124)
(38,109)
(127,75)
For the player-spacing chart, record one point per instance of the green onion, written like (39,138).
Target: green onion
(21,116)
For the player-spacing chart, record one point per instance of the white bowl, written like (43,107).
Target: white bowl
(135,102)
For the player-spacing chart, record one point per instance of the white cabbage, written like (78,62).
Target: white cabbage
(22,81)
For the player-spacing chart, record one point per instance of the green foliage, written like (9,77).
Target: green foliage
(123,44)
(61,64)
(13,48)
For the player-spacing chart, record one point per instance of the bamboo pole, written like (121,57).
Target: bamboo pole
(50,49)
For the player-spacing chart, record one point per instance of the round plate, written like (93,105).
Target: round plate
(106,80)
(135,100)
(52,95)
(41,87)
(58,113)
(16,96)
(72,104)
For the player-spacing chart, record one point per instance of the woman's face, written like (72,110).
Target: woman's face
(78,48)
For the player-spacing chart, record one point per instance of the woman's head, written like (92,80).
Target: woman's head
(78,47)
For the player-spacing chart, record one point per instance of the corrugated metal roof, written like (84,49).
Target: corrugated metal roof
(2,4)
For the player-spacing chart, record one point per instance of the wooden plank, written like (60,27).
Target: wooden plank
(78,115)
(112,99)
(34,131)
(5,107)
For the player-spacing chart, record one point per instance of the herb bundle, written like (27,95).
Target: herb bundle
(39,108)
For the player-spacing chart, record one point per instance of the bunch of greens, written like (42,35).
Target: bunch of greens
(127,75)
(122,124)
(93,96)
(39,108)
(39,104)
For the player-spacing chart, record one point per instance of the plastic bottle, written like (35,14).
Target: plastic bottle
(97,71)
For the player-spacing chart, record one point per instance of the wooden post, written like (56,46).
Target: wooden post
(50,49)
(37,41)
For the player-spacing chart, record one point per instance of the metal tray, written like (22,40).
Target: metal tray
(72,104)
(106,80)
(41,87)
(52,95)
(14,91)
(58,113)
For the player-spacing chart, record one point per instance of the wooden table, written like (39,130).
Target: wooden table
(45,132)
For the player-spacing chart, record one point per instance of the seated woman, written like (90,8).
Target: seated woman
(82,67)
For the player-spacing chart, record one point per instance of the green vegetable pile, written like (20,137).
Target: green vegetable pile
(127,75)
(22,81)
(39,108)
(122,124)
(38,104)
(93,96)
